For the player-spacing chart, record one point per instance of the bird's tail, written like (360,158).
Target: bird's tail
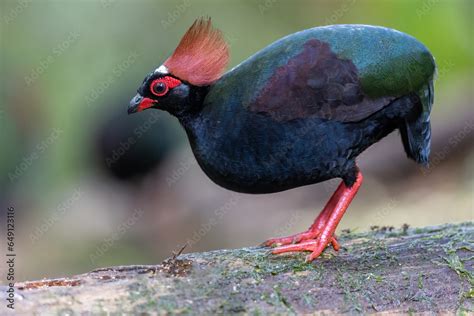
(416,129)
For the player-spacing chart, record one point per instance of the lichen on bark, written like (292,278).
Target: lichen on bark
(384,270)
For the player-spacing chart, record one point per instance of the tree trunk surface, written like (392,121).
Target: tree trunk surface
(384,271)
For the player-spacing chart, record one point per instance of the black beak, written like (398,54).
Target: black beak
(134,103)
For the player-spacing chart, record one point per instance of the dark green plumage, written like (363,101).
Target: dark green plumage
(386,64)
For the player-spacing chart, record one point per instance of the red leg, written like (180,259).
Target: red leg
(315,228)
(321,233)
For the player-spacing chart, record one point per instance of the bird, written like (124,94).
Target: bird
(297,112)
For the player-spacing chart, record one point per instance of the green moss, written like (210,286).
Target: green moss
(454,262)
(351,286)
(268,264)
(420,280)
(281,298)
(308,300)
(377,278)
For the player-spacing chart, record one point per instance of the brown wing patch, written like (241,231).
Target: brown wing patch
(316,83)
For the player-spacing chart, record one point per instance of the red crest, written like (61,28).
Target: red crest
(201,56)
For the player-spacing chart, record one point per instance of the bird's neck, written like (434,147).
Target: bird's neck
(192,105)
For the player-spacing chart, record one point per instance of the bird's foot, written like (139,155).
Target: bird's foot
(321,233)
(307,241)
(293,239)
(316,246)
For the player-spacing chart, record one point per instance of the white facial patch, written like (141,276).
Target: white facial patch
(162,70)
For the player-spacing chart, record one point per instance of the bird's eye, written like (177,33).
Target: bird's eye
(159,88)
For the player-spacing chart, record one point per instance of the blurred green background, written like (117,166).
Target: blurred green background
(94,187)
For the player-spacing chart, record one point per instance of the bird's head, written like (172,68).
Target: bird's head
(181,82)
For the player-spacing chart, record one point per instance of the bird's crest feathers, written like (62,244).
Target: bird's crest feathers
(201,56)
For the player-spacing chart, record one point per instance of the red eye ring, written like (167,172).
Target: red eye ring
(159,87)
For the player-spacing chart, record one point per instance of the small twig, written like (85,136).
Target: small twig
(180,251)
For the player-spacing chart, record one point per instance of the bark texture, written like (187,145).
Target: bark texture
(385,271)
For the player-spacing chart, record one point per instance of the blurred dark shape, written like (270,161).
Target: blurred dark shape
(129,147)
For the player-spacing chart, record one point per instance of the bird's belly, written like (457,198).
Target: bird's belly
(261,182)
(264,165)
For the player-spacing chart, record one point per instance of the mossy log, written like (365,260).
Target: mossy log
(385,271)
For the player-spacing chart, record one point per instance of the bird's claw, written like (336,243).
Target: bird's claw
(307,241)
(291,240)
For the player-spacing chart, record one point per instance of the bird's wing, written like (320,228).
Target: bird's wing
(316,83)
